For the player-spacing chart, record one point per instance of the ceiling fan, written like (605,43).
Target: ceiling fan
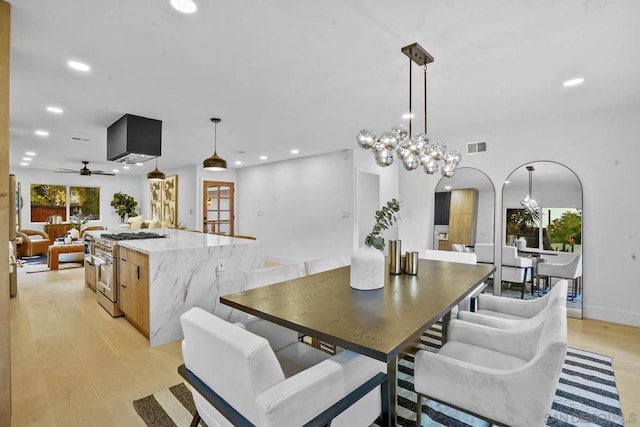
(84,171)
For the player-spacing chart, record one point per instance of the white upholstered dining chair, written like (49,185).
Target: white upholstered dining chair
(510,313)
(319,265)
(571,270)
(484,252)
(236,378)
(263,277)
(516,269)
(464,258)
(506,377)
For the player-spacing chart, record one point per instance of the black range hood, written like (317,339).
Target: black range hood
(134,139)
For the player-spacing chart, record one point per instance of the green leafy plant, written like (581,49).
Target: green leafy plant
(124,204)
(385,217)
(77,222)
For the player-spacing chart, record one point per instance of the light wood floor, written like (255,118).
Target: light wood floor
(74,365)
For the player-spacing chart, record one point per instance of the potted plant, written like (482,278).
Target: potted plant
(124,204)
(367,263)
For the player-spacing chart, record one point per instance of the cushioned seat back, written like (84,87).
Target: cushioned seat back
(461,257)
(509,255)
(233,362)
(268,276)
(484,252)
(570,270)
(320,265)
(554,330)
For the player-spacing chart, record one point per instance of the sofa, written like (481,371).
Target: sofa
(34,242)
(137,222)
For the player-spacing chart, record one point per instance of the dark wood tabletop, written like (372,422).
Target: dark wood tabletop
(378,323)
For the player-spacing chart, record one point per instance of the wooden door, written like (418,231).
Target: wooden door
(218,207)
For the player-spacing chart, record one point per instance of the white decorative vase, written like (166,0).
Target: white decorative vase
(367,269)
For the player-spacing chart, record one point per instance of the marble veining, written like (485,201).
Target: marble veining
(184,278)
(183,274)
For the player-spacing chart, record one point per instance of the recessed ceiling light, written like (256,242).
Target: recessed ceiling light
(573,82)
(138,164)
(30,153)
(79,66)
(24,164)
(295,151)
(184,6)
(263,157)
(54,109)
(507,182)
(447,187)
(41,132)
(115,170)
(238,162)
(26,159)
(408,116)
(125,167)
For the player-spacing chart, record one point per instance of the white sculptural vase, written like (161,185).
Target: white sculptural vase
(367,269)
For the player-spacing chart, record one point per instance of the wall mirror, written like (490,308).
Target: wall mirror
(464,211)
(542,218)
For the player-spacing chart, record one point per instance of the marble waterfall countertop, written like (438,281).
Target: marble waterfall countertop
(178,239)
(184,272)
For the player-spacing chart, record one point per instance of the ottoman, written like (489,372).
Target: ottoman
(73,252)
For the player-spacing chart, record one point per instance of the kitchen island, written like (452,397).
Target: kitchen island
(159,279)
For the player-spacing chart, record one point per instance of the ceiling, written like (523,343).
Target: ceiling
(301,74)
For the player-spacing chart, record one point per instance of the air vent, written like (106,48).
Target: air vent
(476,147)
(77,138)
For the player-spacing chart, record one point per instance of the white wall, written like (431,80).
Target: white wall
(109,185)
(364,161)
(602,149)
(302,209)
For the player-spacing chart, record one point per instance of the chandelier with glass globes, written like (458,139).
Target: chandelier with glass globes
(412,150)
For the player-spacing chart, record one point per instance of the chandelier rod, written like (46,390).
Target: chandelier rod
(410,90)
(425,99)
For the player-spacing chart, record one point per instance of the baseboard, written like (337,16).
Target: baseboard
(608,315)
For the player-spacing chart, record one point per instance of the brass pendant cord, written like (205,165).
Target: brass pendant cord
(215,137)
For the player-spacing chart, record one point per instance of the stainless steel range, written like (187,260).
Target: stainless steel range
(106,262)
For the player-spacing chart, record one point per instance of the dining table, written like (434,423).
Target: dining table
(380,323)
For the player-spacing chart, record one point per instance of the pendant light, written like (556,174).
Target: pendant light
(412,150)
(215,162)
(156,174)
(528,202)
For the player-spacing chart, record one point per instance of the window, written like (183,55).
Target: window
(58,200)
(562,229)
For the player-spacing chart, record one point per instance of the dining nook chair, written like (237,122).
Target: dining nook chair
(506,377)
(237,378)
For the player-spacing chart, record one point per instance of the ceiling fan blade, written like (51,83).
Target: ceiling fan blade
(102,173)
(64,170)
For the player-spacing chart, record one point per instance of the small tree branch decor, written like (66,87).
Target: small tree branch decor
(124,204)
(385,218)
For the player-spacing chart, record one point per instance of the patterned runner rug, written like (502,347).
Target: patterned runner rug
(586,395)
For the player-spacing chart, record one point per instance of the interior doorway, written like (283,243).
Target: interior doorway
(218,214)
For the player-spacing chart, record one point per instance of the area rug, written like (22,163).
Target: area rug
(586,395)
(39,268)
(38,259)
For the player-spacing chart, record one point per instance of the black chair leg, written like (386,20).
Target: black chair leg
(196,420)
